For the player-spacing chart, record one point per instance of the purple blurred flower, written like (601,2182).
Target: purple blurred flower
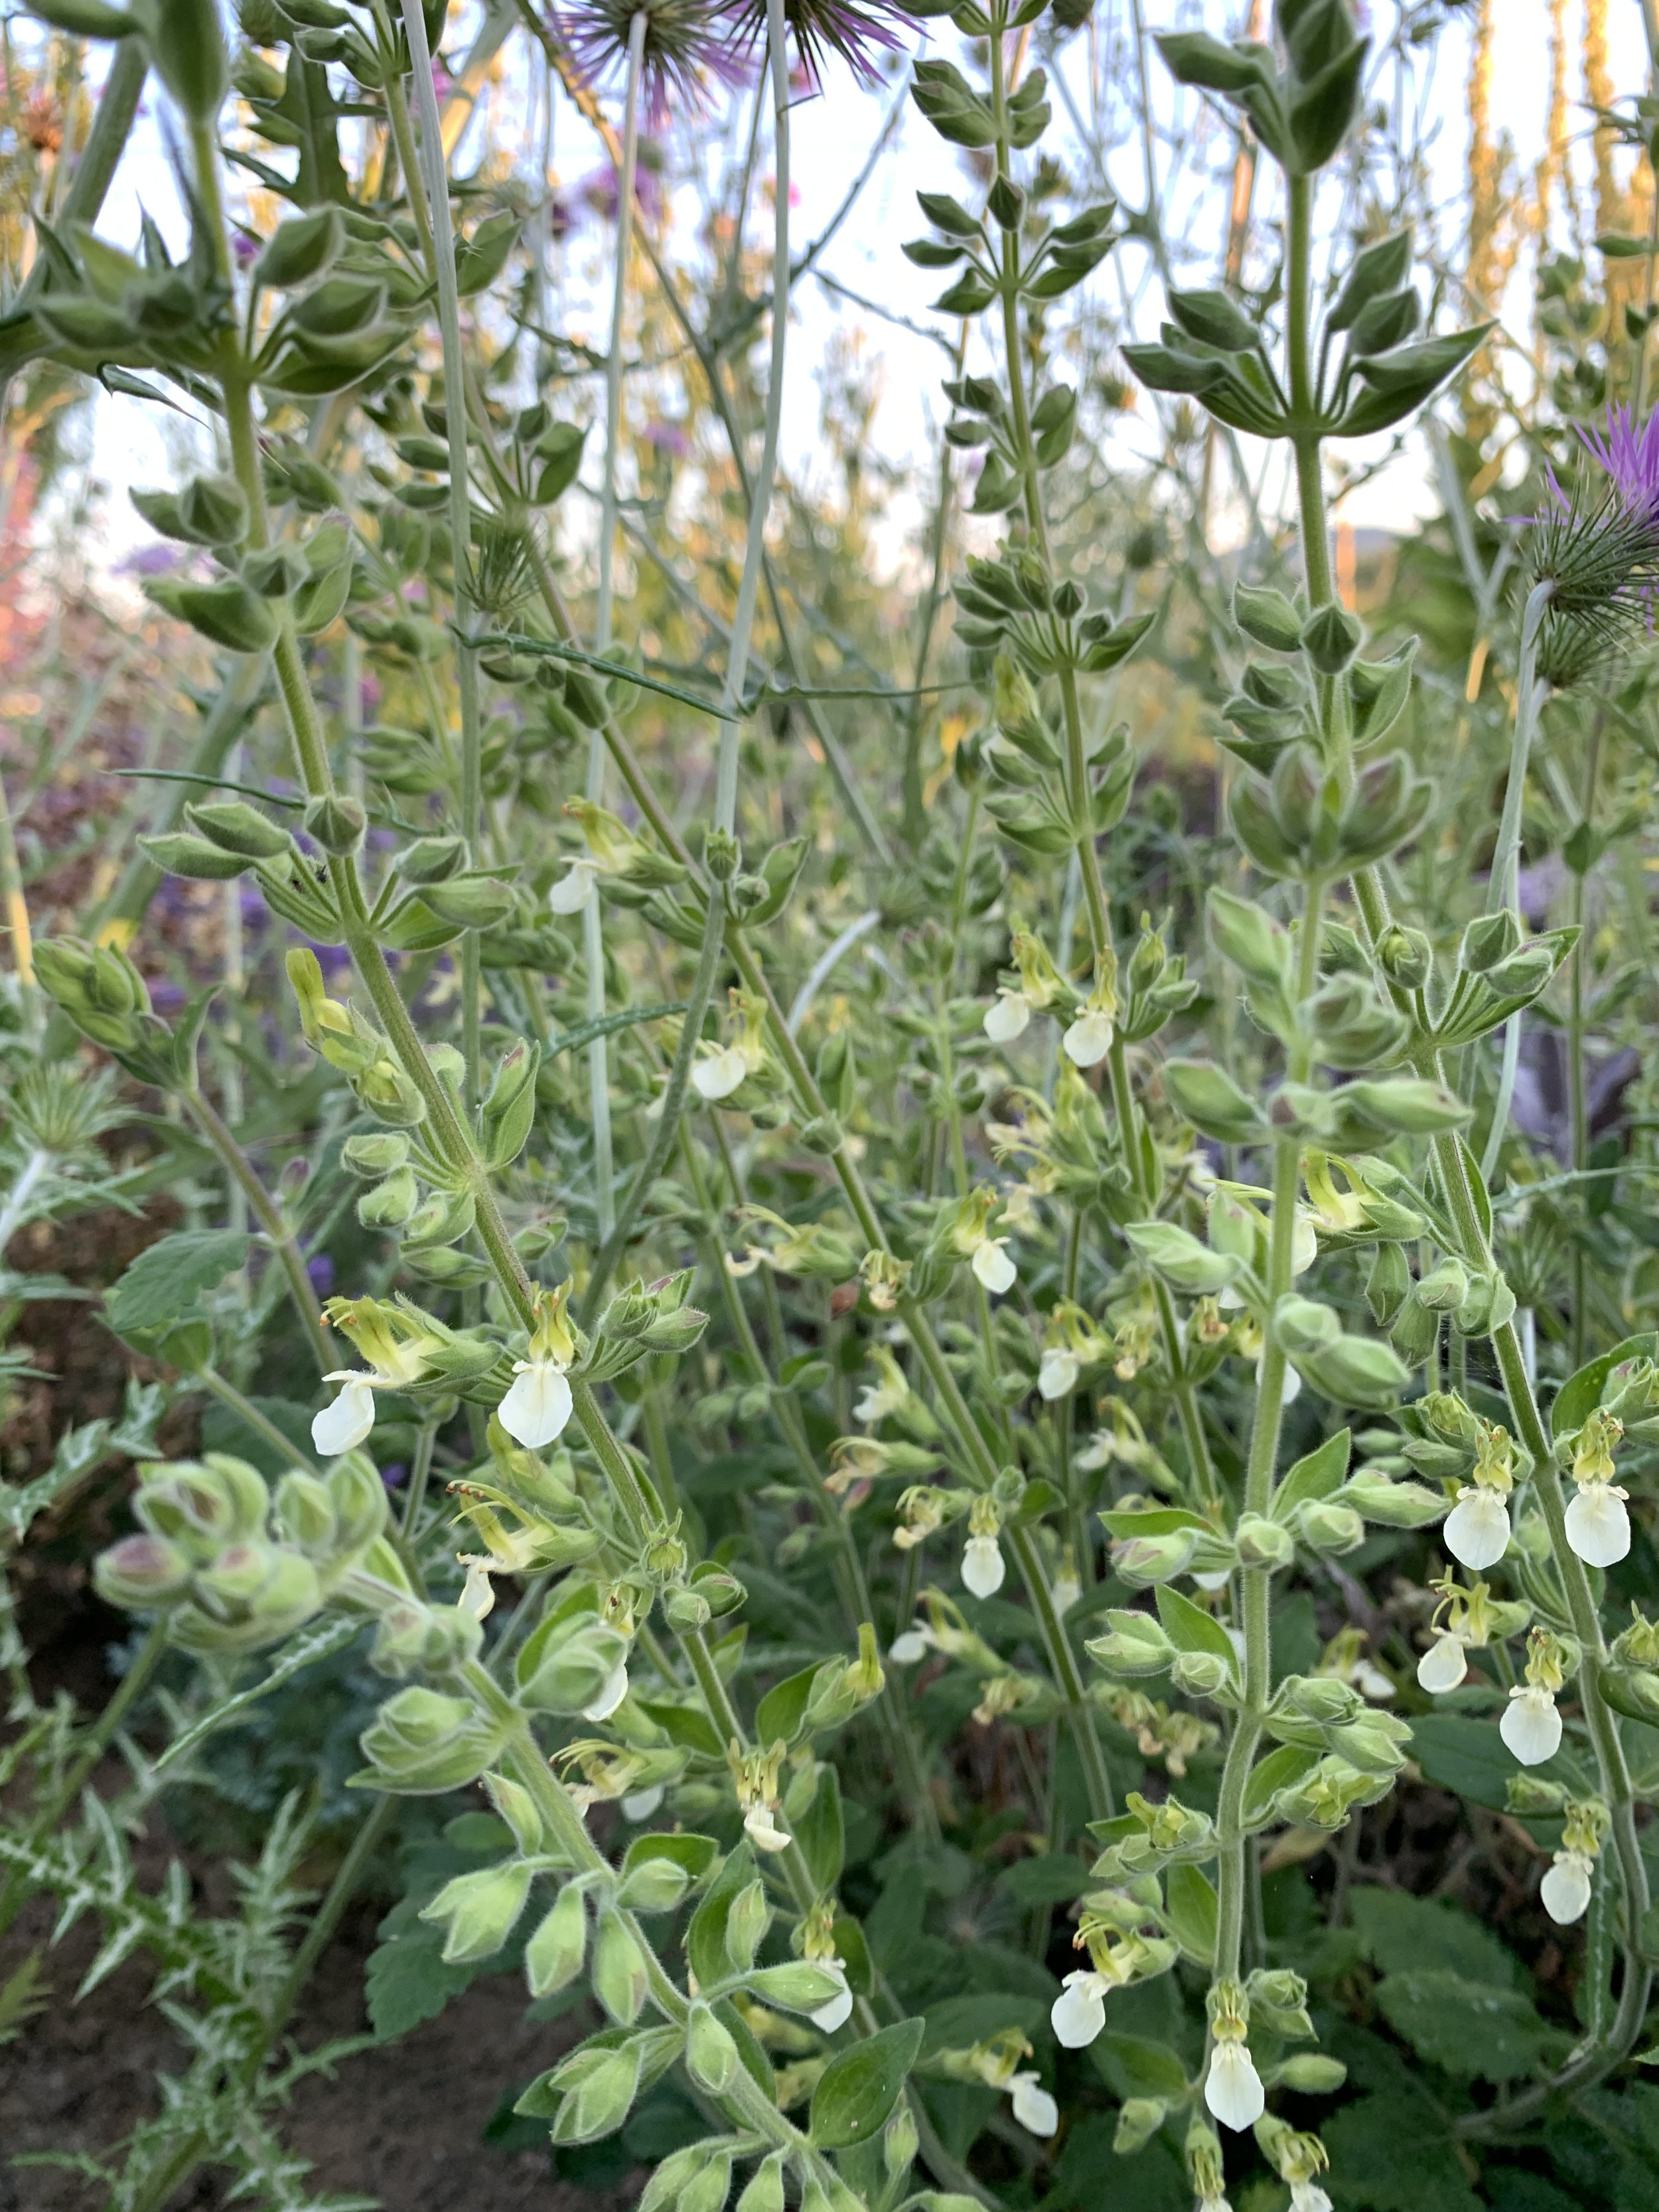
(246,246)
(668,438)
(167,998)
(685,42)
(823,27)
(599,188)
(155,560)
(394,1476)
(442,83)
(319,1271)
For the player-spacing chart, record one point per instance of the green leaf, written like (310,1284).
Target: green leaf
(819,1832)
(1468,1756)
(1190,1628)
(1470,2030)
(705,1939)
(1280,1769)
(1193,1909)
(697,1854)
(781,1711)
(1401,1934)
(860,2088)
(1056,1877)
(1316,1475)
(1581,1393)
(166,1279)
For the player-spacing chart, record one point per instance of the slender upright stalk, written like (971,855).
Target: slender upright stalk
(598,1076)
(436,180)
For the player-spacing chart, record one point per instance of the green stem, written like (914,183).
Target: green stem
(436,181)
(251,1417)
(265,1211)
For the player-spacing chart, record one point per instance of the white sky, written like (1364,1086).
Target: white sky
(832,137)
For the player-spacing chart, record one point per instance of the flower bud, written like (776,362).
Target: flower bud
(746,1922)
(1139,2120)
(1330,637)
(239,829)
(553,1956)
(422,1743)
(1263,1543)
(566,1675)
(711,2054)
(141,1572)
(763,2192)
(1199,1673)
(653,1884)
(619,1971)
(899,2142)
(1395,1504)
(305,1512)
(431,860)
(1310,2074)
(1405,956)
(1134,1643)
(1388,1284)
(1326,1527)
(478,1911)
(596,2087)
(213,510)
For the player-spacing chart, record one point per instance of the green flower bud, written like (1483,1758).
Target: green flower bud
(1530,1795)
(141,1572)
(1395,1504)
(653,1884)
(275,572)
(1330,638)
(423,1743)
(1142,1561)
(239,829)
(1405,956)
(1488,941)
(1263,1543)
(685,1610)
(619,1971)
(711,2054)
(1445,1287)
(1134,1643)
(797,1987)
(213,509)
(251,1596)
(471,902)
(566,1673)
(1310,2074)
(708,2189)
(553,1956)
(763,2192)
(478,1911)
(1357,1372)
(1278,2002)
(1388,1284)
(1303,1325)
(1268,616)
(431,860)
(304,1512)
(381,1154)
(596,2087)
(390,1204)
(1200,1674)
(747,1920)
(1139,2120)
(336,823)
(1325,1527)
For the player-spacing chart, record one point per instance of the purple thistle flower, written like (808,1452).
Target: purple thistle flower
(823,27)
(1630,458)
(153,560)
(1598,550)
(668,438)
(686,41)
(601,189)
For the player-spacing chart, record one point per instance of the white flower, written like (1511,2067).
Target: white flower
(839,2010)
(1476,1529)
(537,1404)
(982,1569)
(1531,1727)
(1232,2087)
(1214,2205)
(1019,1206)
(1007,1016)
(905,1651)
(764,1830)
(992,1266)
(1057,1373)
(1089,1039)
(1304,1241)
(1308,2197)
(615,1690)
(1079,2013)
(344,1426)
(1034,2108)
(478,1597)
(572,891)
(1565,1889)
(1219,1580)
(1370,1681)
(1066,1591)
(720,1073)
(640,1804)
(1443,1665)
(1598,1526)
